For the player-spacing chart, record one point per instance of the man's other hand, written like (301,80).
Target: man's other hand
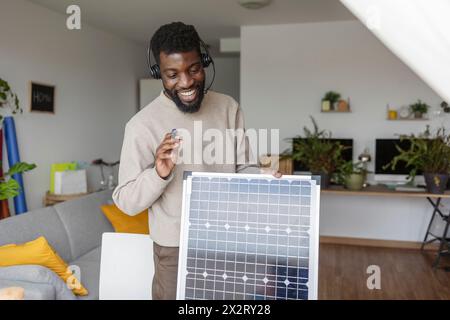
(275,173)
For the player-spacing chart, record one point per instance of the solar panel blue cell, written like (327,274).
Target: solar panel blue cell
(248,237)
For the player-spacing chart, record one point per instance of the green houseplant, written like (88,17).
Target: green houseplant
(445,107)
(317,152)
(429,154)
(352,175)
(8,99)
(419,109)
(10,188)
(331,98)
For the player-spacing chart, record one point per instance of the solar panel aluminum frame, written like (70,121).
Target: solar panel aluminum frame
(313,267)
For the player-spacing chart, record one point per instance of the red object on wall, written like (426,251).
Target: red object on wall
(4,208)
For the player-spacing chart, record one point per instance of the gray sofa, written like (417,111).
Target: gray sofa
(74,229)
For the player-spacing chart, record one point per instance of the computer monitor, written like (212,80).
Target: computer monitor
(347,154)
(385,151)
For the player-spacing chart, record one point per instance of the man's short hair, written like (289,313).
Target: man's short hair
(174,37)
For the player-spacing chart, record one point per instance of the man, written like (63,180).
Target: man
(149,176)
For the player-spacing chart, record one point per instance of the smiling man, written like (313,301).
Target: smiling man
(149,177)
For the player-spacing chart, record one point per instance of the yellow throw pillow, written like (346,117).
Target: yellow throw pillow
(41,253)
(124,223)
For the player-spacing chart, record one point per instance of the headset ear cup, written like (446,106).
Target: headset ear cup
(206,60)
(154,71)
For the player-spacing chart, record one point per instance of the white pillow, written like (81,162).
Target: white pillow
(39,275)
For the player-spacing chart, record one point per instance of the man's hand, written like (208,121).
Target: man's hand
(275,173)
(165,161)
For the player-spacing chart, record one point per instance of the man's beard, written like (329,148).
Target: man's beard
(191,108)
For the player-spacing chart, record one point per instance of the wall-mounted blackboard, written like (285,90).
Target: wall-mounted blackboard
(42,97)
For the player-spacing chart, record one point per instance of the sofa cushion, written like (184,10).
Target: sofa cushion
(35,274)
(33,291)
(123,223)
(39,252)
(33,224)
(84,221)
(93,255)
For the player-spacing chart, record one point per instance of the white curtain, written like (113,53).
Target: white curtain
(417,31)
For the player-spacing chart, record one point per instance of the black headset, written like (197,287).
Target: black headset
(205,58)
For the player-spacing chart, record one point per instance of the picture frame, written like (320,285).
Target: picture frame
(42,97)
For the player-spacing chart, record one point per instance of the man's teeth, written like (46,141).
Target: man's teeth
(187,93)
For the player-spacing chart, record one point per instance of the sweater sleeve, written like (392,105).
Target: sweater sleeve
(246,161)
(139,184)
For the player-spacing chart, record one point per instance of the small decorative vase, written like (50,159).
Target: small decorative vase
(354,181)
(342,106)
(436,183)
(326,106)
(418,115)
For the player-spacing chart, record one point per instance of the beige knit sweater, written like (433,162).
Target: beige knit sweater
(140,186)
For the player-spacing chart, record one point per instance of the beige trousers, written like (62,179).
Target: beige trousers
(164,286)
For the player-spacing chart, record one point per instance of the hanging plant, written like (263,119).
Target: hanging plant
(9,187)
(8,99)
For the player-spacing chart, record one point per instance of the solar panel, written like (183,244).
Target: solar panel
(248,237)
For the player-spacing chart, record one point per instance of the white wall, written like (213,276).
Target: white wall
(285,71)
(96,77)
(227,76)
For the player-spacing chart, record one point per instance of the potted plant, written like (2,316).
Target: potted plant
(8,99)
(429,154)
(318,153)
(352,175)
(10,188)
(330,100)
(419,109)
(445,107)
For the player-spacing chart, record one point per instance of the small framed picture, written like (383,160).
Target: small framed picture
(42,97)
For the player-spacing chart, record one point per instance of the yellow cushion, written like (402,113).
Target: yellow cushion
(124,223)
(41,253)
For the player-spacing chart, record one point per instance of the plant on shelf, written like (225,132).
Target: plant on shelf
(429,154)
(330,100)
(352,175)
(445,107)
(419,109)
(317,152)
(10,188)
(8,99)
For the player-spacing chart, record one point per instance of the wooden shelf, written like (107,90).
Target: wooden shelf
(51,199)
(333,111)
(409,119)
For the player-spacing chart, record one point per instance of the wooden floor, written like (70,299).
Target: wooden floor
(405,274)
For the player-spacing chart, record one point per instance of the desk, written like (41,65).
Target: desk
(383,191)
(433,199)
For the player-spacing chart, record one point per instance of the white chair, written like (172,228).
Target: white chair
(126,267)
